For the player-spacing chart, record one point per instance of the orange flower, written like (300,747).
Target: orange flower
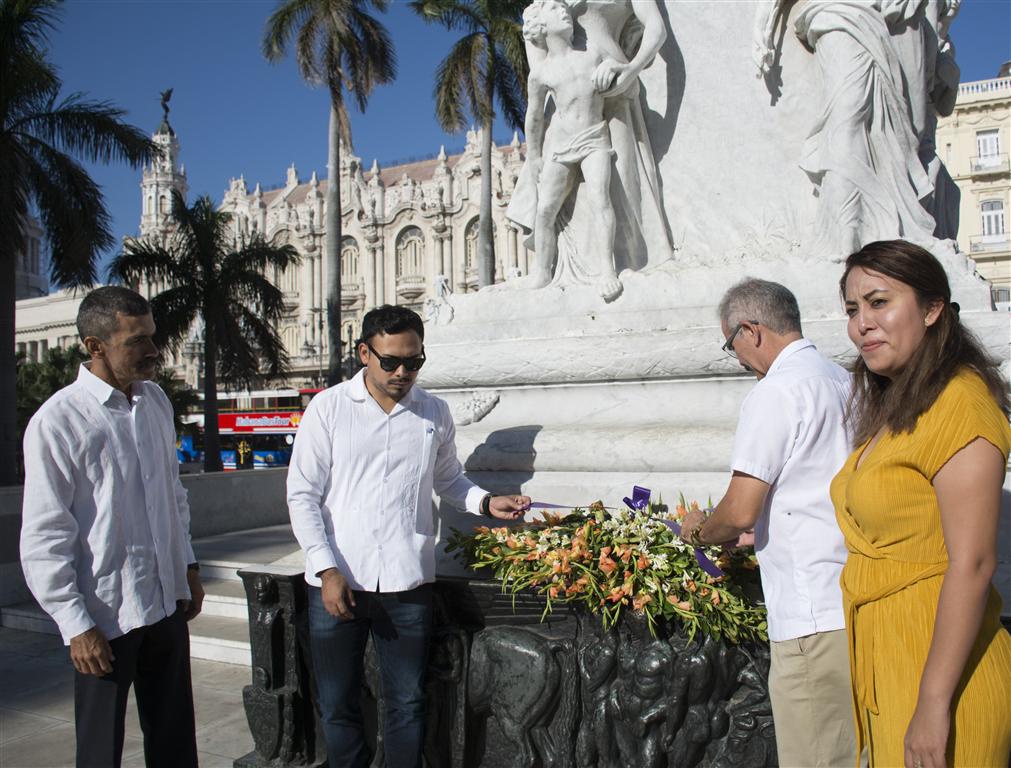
(680,511)
(625,553)
(642,563)
(684,605)
(553,591)
(607,565)
(510,542)
(641,601)
(715,600)
(616,594)
(690,585)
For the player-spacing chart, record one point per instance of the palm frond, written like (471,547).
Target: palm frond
(146,260)
(91,129)
(454,92)
(282,24)
(452,14)
(72,211)
(174,311)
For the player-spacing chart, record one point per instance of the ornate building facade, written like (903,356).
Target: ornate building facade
(974,142)
(406,229)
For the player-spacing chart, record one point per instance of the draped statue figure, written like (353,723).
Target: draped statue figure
(619,38)
(886,71)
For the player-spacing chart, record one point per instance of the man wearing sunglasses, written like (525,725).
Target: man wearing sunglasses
(791,440)
(367,457)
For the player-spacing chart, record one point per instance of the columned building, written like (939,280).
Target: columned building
(974,142)
(405,229)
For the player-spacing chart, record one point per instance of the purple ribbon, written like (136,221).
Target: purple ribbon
(704,562)
(639,500)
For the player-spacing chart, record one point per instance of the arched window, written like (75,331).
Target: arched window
(164,205)
(410,252)
(349,261)
(470,244)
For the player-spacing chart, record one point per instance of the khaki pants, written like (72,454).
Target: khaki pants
(812,706)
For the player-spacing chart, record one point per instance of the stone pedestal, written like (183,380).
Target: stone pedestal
(506,689)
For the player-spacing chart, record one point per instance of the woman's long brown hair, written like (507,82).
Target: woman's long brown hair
(947,347)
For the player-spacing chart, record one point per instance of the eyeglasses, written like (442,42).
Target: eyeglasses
(728,345)
(390,363)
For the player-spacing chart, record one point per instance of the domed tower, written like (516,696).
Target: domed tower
(160,177)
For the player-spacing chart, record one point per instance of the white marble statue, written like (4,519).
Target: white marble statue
(612,42)
(578,142)
(878,63)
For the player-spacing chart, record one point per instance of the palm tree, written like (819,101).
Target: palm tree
(488,62)
(223,283)
(339,45)
(39,135)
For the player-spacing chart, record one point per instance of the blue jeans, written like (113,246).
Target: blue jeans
(401,626)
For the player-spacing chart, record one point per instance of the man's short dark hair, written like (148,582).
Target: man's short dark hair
(389,319)
(97,313)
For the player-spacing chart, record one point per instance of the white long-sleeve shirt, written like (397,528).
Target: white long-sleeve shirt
(360,486)
(105,522)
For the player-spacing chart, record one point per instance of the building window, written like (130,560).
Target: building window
(470,245)
(1001,295)
(992,217)
(410,252)
(987,143)
(349,261)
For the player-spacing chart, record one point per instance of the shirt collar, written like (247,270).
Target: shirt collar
(792,348)
(359,392)
(101,390)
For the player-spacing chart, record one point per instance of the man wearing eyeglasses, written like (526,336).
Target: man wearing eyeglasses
(367,457)
(791,440)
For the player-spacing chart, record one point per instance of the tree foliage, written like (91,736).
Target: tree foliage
(338,44)
(43,135)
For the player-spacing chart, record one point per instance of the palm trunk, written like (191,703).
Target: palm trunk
(332,252)
(212,439)
(8,378)
(485,233)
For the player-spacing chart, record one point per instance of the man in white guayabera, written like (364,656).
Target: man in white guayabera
(577,140)
(791,440)
(368,456)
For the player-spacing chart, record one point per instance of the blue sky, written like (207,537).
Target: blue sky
(237,114)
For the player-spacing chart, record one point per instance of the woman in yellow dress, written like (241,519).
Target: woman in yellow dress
(918,502)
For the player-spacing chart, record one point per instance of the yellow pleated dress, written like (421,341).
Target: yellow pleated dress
(891,583)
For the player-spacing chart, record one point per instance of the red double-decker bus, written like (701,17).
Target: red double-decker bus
(257,429)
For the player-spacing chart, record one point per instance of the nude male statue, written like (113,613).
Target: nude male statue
(580,139)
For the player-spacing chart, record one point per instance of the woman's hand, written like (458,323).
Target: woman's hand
(927,736)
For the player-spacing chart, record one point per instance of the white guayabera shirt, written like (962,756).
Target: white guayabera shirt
(360,486)
(105,524)
(792,435)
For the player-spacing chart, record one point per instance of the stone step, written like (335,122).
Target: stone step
(224,597)
(213,638)
(220,638)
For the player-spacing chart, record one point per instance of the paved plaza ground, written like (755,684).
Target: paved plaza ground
(37,707)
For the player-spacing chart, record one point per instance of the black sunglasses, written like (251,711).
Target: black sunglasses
(728,346)
(390,363)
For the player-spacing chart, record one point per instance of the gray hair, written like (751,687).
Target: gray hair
(97,315)
(771,304)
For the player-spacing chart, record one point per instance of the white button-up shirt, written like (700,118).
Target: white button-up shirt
(360,485)
(792,435)
(105,523)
